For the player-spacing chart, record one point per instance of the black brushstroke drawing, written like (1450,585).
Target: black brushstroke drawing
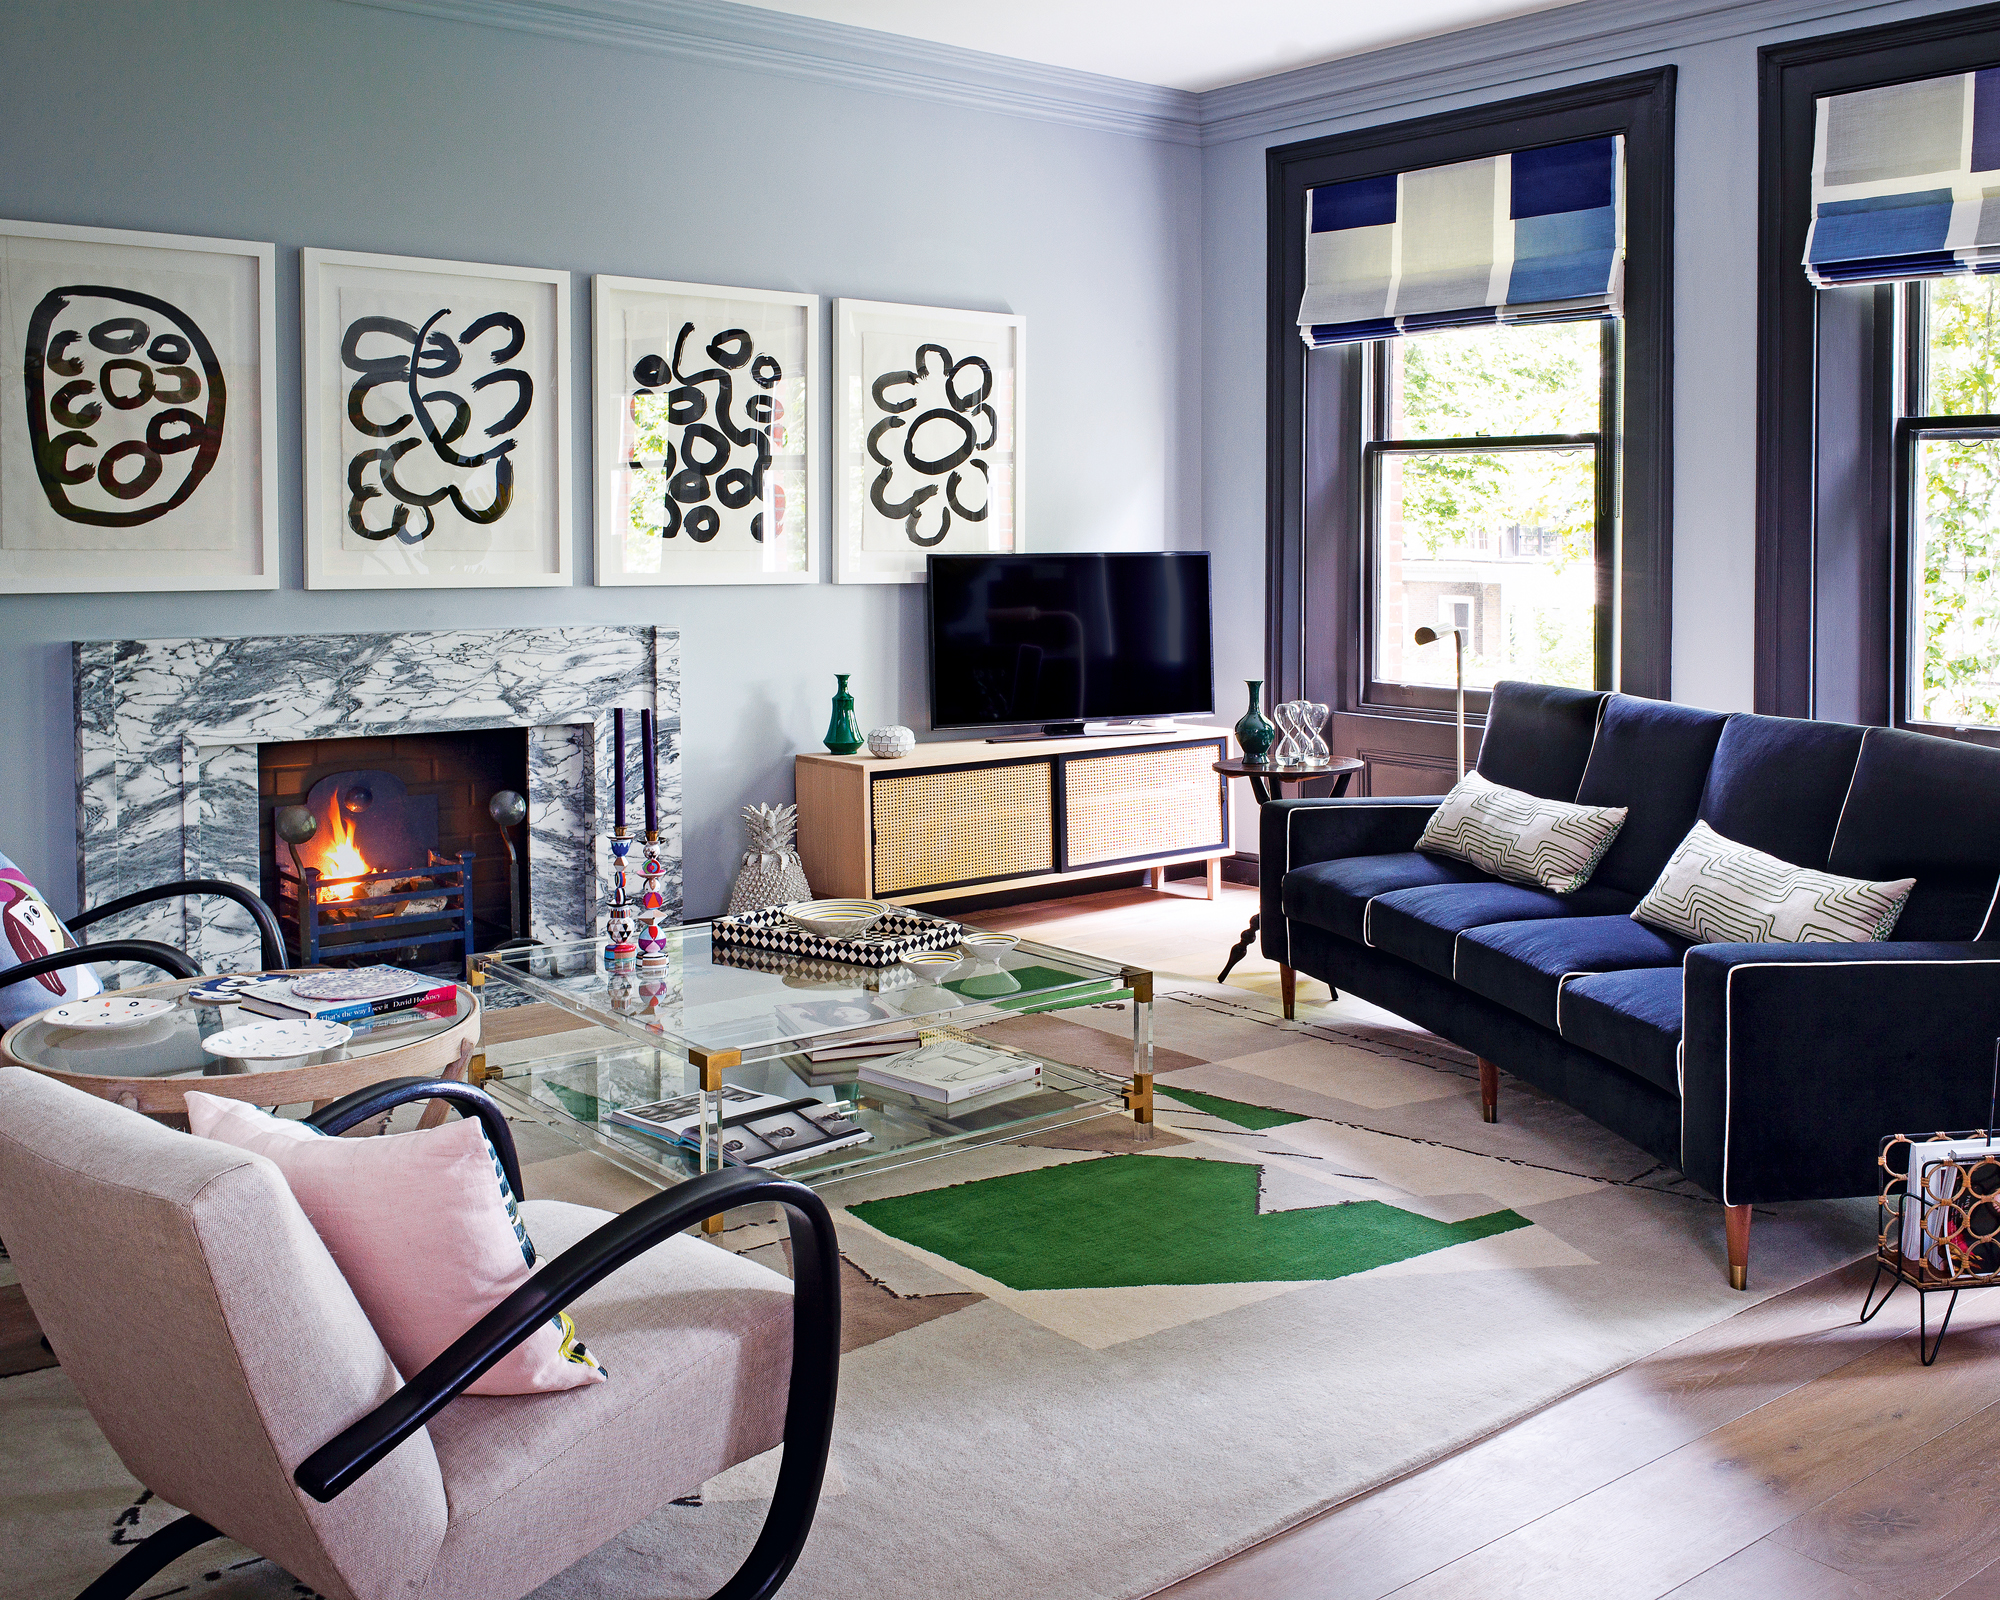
(686,415)
(123,391)
(398,397)
(943,442)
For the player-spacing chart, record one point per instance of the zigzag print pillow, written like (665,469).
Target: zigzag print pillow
(1716,891)
(1519,837)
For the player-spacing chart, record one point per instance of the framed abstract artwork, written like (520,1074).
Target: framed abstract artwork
(703,433)
(138,428)
(929,423)
(437,423)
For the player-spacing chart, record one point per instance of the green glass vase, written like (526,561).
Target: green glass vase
(843,733)
(1254,731)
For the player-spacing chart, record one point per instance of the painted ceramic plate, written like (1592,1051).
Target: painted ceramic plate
(265,1041)
(362,983)
(836,919)
(221,991)
(108,1011)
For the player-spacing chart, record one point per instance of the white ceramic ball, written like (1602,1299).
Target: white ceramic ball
(889,743)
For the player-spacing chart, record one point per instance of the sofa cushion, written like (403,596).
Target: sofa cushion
(1422,924)
(1777,784)
(1924,808)
(1652,757)
(1522,837)
(1538,738)
(1632,1018)
(1716,891)
(1522,965)
(1334,894)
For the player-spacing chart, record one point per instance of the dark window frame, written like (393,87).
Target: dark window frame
(1316,410)
(1833,496)
(1379,694)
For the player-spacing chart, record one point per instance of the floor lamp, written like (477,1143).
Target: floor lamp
(1431,636)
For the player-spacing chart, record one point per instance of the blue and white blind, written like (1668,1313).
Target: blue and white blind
(1536,235)
(1906,182)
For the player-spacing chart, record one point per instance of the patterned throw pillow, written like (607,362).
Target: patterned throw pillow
(33,929)
(1521,837)
(1716,891)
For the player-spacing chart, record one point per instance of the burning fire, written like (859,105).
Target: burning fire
(340,858)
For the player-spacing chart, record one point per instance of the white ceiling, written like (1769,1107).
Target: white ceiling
(1182,44)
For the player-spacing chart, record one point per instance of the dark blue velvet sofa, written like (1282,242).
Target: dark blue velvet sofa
(1764,1072)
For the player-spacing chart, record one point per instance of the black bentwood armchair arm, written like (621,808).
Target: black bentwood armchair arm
(337,1116)
(268,933)
(151,952)
(336,1465)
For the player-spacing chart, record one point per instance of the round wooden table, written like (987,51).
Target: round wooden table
(1268,783)
(151,1068)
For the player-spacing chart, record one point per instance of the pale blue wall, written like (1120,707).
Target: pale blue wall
(310,122)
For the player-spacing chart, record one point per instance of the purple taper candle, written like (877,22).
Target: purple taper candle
(618,766)
(646,755)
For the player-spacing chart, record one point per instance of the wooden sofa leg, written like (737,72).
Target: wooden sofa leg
(1288,987)
(1489,1091)
(1736,1221)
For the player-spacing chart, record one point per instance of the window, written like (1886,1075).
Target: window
(1948,448)
(1488,483)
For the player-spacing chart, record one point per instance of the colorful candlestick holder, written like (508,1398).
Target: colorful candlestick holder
(621,939)
(652,906)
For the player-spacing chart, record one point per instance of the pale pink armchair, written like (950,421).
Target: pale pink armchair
(218,1347)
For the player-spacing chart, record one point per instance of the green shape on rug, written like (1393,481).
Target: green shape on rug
(1240,1112)
(1125,1221)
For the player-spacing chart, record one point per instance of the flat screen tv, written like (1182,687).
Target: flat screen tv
(1054,641)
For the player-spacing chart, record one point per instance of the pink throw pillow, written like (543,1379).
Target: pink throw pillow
(426,1229)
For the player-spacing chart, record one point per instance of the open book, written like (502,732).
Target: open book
(759,1130)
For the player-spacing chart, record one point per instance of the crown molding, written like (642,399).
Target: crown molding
(1495,56)
(721,34)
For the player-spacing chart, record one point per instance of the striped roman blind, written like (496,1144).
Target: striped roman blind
(1906,181)
(1534,235)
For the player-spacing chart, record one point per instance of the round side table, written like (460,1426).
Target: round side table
(151,1068)
(1267,783)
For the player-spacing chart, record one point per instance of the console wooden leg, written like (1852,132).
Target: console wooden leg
(1288,986)
(1489,1091)
(1736,1222)
(1214,877)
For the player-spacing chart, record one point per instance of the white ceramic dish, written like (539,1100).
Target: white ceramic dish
(978,942)
(836,919)
(934,966)
(277,1046)
(222,990)
(108,1011)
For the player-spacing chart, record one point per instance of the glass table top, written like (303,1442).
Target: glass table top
(708,1000)
(750,1020)
(170,1046)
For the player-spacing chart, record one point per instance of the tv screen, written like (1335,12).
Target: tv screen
(1068,638)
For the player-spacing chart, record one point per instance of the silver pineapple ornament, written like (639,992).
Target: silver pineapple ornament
(771,874)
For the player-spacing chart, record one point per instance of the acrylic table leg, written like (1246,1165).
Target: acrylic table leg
(1138,1094)
(711,1068)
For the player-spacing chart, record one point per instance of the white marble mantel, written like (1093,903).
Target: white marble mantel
(167,733)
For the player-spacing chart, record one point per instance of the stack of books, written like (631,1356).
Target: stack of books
(759,1130)
(377,992)
(952,1072)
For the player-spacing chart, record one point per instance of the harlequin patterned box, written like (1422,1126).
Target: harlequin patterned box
(898,934)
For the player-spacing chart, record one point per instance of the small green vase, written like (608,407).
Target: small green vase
(1253,730)
(843,733)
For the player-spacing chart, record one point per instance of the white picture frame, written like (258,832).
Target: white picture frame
(747,510)
(111,481)
(497,345)
(885,370)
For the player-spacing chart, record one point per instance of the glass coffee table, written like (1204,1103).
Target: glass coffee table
(712,1020)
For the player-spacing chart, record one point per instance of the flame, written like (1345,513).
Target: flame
(340,858)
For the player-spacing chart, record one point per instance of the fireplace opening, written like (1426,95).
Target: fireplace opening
(399,815)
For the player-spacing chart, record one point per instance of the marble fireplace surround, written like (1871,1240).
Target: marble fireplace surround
(167,733)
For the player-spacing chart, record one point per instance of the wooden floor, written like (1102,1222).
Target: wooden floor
(1786,1454)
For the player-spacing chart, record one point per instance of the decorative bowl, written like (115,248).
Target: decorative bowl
(108,1011)
(836,919)
(934,966)
(275,1046)
(978,942)
(891,742)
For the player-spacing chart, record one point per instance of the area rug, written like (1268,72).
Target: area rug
(1092,1362)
